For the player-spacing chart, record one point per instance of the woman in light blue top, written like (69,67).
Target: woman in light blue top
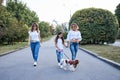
(73,39)
(34,41)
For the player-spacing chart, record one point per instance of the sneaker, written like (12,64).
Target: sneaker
(35,64)
(59,64)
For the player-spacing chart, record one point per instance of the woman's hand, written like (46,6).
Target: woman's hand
(75,40)
(28,43)
(66,45)
(59,50)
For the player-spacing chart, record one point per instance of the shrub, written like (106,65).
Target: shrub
(96,25)
(118,37)
(117,13)
(65,35)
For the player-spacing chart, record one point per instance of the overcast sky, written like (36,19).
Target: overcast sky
(60,10)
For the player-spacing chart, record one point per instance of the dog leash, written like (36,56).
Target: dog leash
(66,56)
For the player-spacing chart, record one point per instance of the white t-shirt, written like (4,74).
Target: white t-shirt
(59,44)
(74,35)
(34,35)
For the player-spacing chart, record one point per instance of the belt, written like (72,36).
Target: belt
(34,41)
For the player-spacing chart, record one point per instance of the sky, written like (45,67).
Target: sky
(60,10)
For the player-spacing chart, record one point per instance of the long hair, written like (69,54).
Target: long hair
(34,24)
(56,39)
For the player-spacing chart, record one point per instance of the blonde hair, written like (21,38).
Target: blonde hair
(75,25)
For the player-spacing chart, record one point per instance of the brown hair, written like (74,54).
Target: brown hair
(56,39)
(34,24)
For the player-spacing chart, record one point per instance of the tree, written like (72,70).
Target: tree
(44,29)
(118,37)
(10,29)
(1,1)
(59,29)
(22,12)
(96,25)
(5,16)
(117,13)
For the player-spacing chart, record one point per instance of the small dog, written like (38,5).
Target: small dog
(67,64)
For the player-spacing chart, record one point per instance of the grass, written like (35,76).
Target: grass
(109,52)
(7,48)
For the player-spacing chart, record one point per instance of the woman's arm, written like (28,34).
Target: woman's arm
(68,38)
(28,40)
(57,46)
(79,37)
(39,36)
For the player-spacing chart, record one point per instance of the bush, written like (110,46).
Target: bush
(118,37)
(117,13)
(65,35)
(59,29)
(96,25)
(44,29)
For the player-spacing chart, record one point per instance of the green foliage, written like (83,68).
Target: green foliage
(96,25)
(22,12)
(44,29)
(59,29)
(14,21)
(1,1)
(5,18)
(10,29)
(118,37)
(65,35)
(117,13)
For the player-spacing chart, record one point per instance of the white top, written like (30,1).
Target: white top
(59,44)
(34,35)
(74,35)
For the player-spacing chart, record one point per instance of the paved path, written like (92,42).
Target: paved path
(117,43)
(18,66)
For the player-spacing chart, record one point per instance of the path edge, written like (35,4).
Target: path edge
(114,64)
(6,53)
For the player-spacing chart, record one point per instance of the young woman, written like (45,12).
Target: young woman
(73,39)
(34,41)
(59,43)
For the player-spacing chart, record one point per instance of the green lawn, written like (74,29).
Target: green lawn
(7,48)
(110,52)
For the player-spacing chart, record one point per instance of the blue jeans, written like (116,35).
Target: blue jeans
(74,48)
(35,49)
(59,55)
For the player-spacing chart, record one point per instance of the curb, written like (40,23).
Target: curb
(6,53)
(114,64)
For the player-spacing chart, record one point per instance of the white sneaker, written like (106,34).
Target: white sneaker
(59,64)
(35,64)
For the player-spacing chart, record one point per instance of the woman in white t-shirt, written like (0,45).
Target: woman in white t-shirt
(34,41)
(73,39)
(59,44)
